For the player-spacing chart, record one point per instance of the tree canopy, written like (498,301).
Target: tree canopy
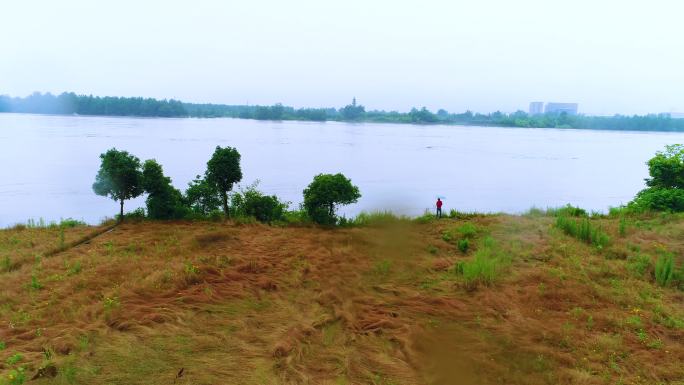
(223,171)
(325,192)
(119,177)
(665,191)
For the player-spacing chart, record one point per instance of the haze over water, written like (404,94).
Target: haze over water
(50,162)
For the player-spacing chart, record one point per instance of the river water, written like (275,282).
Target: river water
(48,163)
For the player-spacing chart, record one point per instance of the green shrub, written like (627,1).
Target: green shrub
(485,267)
(567,211)
(250,202)
(15,358)
(583,230)
(427,217)
(664,269)
(71,223)
(375,218)
(467,230)
(658,199)
(622,227)
(463,245)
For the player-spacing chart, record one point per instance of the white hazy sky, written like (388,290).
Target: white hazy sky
(610,56)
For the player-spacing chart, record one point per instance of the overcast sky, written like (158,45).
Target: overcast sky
(485,55)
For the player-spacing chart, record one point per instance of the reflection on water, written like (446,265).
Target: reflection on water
(49,162)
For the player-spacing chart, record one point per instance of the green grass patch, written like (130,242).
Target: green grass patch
(584,230)
(486,266)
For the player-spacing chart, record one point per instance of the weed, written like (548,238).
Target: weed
(110,303)
(622,227)
(432,249)
(583,230)
(61,237)
(664,269)
(382,268)
(463,245)
(638,264)
(375,218)
(467,230)
(6,264)
(35,284)
(16,376)
(3,345)
(74,269)
(190,269)
(15,358)
(485,266)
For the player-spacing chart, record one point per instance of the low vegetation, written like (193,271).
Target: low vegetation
(383,299)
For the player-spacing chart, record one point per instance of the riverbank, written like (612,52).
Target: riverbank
(384,302)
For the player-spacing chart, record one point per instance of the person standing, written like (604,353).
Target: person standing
(439,208)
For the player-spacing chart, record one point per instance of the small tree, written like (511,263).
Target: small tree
(665,191)
(119,177)
(325,192)
(202,196)
(164,201)
(223,171)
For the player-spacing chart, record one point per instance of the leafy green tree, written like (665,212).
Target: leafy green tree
(667,168)
(223,171)
(202,196)
(119,177)
(665,191)
(163,200)
(325,192)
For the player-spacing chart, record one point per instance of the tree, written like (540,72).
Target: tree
(223,171)
(119,177)
(202,196)
(326,191)
(163,200)
(667,168)
(665,191)
(353,111)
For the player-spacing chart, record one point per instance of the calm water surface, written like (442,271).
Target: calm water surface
(49,162)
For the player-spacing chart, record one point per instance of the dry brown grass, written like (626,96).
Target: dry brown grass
(261,305)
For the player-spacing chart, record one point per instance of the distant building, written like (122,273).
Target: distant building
(558,108)
(536,108)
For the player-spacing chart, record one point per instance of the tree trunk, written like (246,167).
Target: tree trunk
(225,203)
(121,212)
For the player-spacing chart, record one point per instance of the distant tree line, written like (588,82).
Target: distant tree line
(70,103)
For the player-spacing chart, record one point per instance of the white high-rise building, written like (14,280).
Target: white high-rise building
(536,108)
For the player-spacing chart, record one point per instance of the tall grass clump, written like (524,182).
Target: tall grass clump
(375,218)
(583,230)
(664,269)
(486,266)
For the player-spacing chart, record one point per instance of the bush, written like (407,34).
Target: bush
(250,202)
(567,211)
(136,215)
(664,269)
(467,230)
(658,199)
(71,223)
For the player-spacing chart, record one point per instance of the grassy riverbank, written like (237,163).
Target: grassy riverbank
(479,299)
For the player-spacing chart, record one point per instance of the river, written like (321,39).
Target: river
(49,162)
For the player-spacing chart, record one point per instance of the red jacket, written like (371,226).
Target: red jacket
(439,203)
